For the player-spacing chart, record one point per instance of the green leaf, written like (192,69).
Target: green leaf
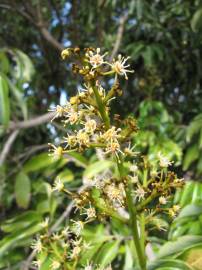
(43,207)
(200,138)
(191,155)
(168,264)
(186,194)
(195,228)
(4,102)
(196,21)
(22,190)
(136,49)
(79,159)
(179,228)
(194,127)
(97,167)
(196,195)
(139,8)
(15,239)
(107,253)
(4,63)
(24,70)
(193,257)
(21,221)
(148,54)
(19,96)
(199,165)
(128,264)
(65,176)
(38,162)
(190,210)
(178,246)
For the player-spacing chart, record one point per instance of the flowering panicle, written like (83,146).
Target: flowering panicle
(131,185)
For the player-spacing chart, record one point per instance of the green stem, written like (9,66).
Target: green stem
(142,231)
(101,107)
(134,225)
(142,216)
(133,218)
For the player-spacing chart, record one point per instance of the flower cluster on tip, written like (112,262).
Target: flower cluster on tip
(91,125)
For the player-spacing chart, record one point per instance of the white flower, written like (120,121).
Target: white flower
(90,212)
(164,162)
(70,140)
(44,224)
(82,138)
(56,151)
(120,66)
(88,267)
(101,90)
(56,236)
(78,227)
(134,179)
(66,231)
(55,265)
(114,194)
(37,245)
(133,168)
(65,53)
(113,147)
(95,58)
(154,173)
(59,111)
(111,134)
(173,211)
(75,252)
(162,200)
(72,117)
(90,126)
(176,208)
(58,185)
(139,193)
(129,150)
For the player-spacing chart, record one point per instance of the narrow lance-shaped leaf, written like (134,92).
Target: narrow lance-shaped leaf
(4,102)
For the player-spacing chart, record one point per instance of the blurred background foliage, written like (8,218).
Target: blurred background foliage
(163,38)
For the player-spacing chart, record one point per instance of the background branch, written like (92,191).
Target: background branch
(7,146)
(119,35)
(32,122)
(38,24)
(15,127)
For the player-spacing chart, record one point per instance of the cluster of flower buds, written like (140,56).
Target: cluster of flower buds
(91,125)
(68,242)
